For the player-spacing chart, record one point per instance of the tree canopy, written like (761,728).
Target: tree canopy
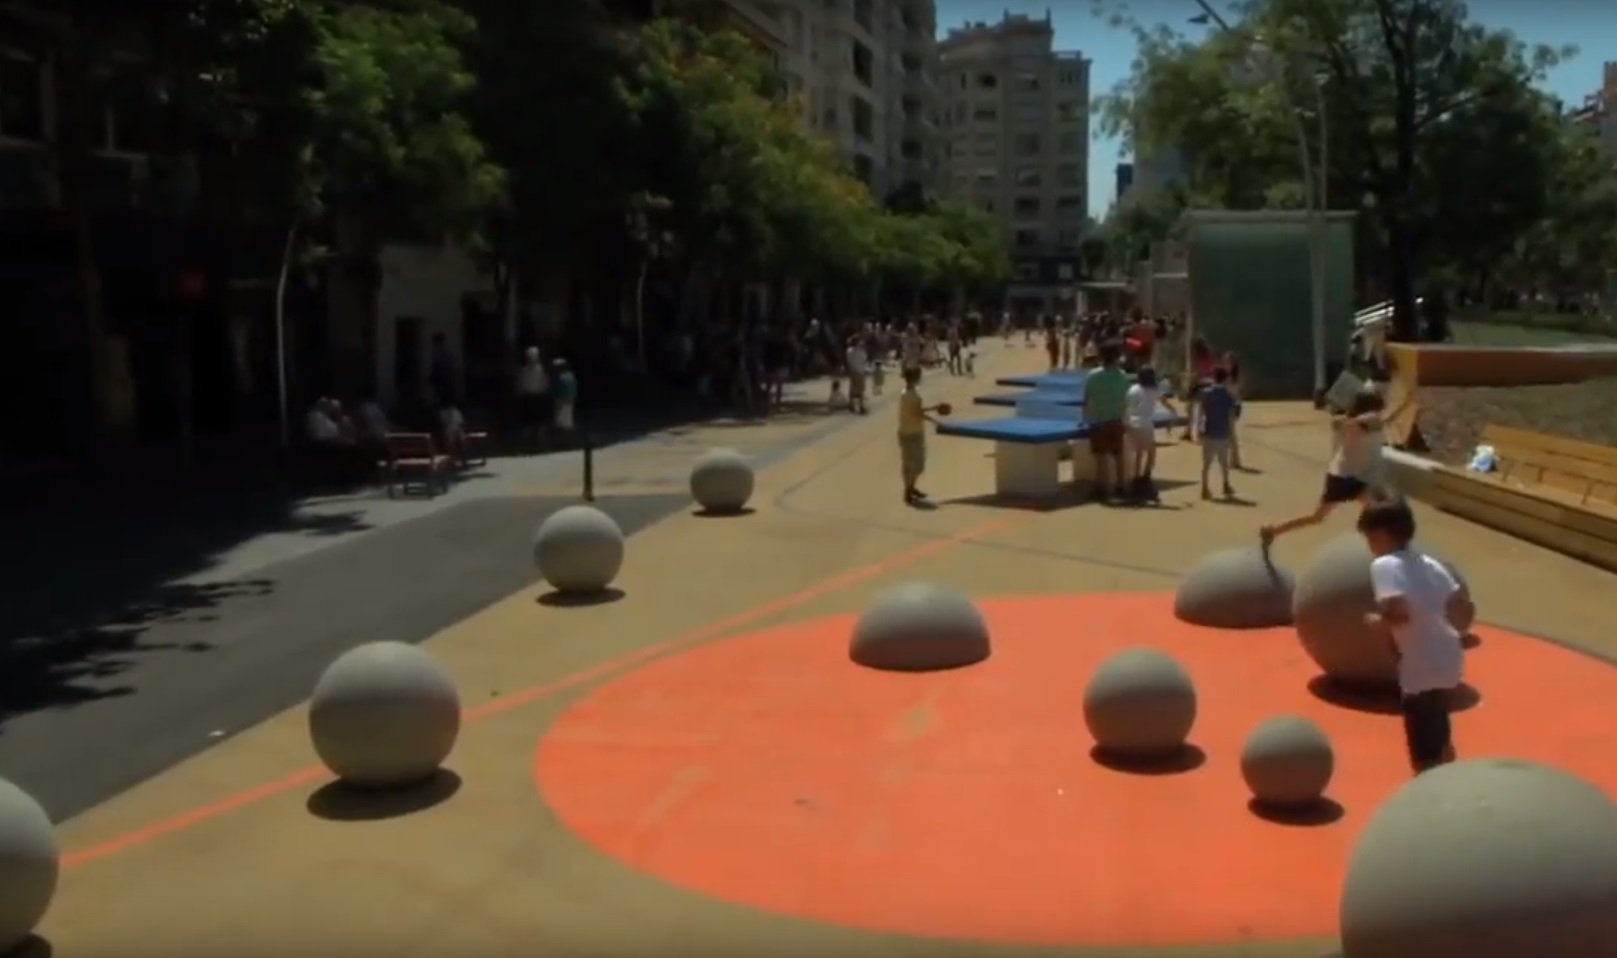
(1436,134)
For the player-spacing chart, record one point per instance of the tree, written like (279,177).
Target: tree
(1408,86)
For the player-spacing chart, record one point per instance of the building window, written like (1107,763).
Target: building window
(1027,207)
(1027,238)
(1069,204)
(863,13)
(1028,176)
(1070,110)
(1071,142)
(864,117)
(965,81)
(1028,144)
(986,177)
(1027,272)
(22,104)
(910,149)
(960,112)
(864,168)
(986,114)
(987,204)
(1069,174)
(1067,78)
(1028,82)
(863,61)
(987,81)
(1069,239)
(829,118)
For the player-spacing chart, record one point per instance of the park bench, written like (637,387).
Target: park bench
(1028,446)
(1559,493)
(412,458)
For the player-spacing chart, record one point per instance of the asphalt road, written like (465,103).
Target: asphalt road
(119,708)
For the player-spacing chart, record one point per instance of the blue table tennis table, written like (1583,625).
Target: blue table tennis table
(1055,397)
(1028,446)
(1066,379)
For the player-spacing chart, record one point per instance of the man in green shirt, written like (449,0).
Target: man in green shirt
(1105,404)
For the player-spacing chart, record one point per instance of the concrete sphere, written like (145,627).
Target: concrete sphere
(919,627)
(1492,858)
(1287,762)
(29,865)
(1235,589)
(721,481)
(1140,703)
(384,714)
(578,549)
(1333,596)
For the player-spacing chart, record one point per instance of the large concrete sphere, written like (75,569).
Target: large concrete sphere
(1235,589)
(721,481)
(29,865)
(919,627)
(1492,858)
(384,714)
(1140,703)
(1287,762)
(1333,596)
(578,549)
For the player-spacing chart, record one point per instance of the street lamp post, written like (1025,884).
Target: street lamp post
(1315,195)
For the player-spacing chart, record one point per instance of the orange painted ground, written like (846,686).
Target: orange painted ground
(767,770)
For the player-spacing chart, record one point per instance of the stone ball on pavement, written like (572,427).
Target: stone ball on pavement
(1140,703)
(384,714)
(1287,762)
(722,481)
(29,865)
(1332,597)
(1489,858)
(578,549)
(919,627)
(1235,589)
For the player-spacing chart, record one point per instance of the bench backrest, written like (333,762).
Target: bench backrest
(1585,469)
(1033,409)
(411,445)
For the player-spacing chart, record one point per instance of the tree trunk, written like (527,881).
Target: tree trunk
(111,417)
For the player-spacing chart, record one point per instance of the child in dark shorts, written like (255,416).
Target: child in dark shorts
(1356,459)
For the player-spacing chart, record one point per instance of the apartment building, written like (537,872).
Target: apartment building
(862,73)
(1015,119)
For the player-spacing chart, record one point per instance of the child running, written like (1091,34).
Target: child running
(1413,592)
(913,415)
(1354,465)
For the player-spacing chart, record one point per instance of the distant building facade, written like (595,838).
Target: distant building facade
(1015,116)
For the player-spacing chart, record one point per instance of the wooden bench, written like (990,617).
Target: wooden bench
(415,456)
(1561,468)
(1558,493)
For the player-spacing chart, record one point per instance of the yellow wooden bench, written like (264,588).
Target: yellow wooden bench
(1559,493)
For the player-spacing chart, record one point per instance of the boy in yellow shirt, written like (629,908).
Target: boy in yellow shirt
(913,415)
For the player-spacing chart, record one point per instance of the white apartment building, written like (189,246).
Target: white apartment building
(862,72)
(1015,118)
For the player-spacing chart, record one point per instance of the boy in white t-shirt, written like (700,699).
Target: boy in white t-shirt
(1414,594)
(1140,414)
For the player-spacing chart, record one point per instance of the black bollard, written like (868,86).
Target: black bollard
(589,466)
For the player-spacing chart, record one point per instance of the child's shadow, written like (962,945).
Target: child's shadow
(923,505)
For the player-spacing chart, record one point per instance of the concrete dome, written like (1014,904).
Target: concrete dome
(1491,858)
(919,627)
(1140,703)
(384,714)
(578,549)
(1235,589)
(1332,598)
(722,481)
(1287,762)
(29,865)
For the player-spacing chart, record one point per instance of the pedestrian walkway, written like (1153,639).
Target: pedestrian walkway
(698,762)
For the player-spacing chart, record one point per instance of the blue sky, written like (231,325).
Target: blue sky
(1591,25)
